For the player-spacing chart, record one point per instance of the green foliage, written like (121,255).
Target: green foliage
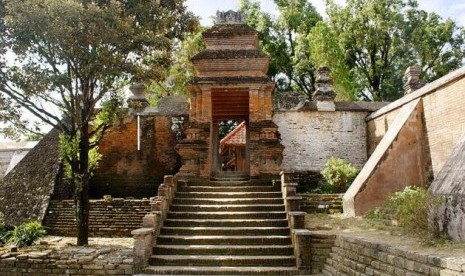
(411,208)
(180,72)
(70,54)
(322,49)
(4,234)
(69,151)
(26,233)
(381,38)
(338,175)
(279,39)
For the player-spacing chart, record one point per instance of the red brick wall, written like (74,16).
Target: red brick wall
(126,172)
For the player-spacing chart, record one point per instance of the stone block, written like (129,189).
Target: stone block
(301,239)
(297,220)
(292,204)
(143,246)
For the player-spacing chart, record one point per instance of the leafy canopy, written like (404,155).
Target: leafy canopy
(381,38)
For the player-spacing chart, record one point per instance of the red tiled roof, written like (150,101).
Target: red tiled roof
(235,137)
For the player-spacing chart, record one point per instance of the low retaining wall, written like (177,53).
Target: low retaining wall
(108,218)
(321,247)
(357,256)
(321,203)
(70,261)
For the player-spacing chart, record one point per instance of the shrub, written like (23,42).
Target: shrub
(338,175)
(3,230)
(411,209)
(26,233)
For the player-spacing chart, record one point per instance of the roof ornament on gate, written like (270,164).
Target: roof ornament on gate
(229,17)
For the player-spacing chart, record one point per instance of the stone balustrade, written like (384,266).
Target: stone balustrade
(145,238)
(301,237)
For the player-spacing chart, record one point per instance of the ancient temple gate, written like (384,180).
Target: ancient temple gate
(231,84)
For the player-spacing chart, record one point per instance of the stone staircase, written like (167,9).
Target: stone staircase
(225,228)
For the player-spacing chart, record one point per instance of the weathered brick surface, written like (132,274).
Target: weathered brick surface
(443,119)
(321,203)
(115,218)
(70,261)
(356,256)
(124,171)
(310,138)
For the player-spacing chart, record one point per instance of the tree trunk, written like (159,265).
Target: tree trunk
(82,189)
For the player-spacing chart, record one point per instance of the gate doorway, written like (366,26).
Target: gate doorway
(230,132)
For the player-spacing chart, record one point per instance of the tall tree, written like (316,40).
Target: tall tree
(181,70)
(279,40)
(381,38)
(71,54)
(321,48)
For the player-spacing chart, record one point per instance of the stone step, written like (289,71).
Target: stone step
(218,270)
(230,189)
(227,183)
(227,215)
(223,249)
(226,222)
(224,231)
(228,201)
(222,260)
(229,195)
(223,240)
(227,207)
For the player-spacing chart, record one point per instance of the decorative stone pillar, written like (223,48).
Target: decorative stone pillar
(324,94)
(138,100)
(412,77)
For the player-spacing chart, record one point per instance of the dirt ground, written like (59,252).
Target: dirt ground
(382,232)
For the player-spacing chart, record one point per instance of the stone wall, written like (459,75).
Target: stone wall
(125,171)
(357,256)
(442,126)
(107,218)
(443,105)
(26,190)
(11,153)
(321,203)
(399,161)
(310,138)
(70,261)
(322,244)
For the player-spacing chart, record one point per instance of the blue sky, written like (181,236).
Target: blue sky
(454,9)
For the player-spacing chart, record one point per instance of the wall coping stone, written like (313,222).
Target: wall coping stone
(427,89)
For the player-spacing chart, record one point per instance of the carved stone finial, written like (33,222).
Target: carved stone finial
(412,77)
(138,100)
(229,17)
(324,85)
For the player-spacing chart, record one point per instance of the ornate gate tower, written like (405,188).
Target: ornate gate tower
(231,85)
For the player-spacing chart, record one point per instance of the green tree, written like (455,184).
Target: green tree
(438,45)
(279,40)
(181,71)
(381,38)
(71,54)
(320,48)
